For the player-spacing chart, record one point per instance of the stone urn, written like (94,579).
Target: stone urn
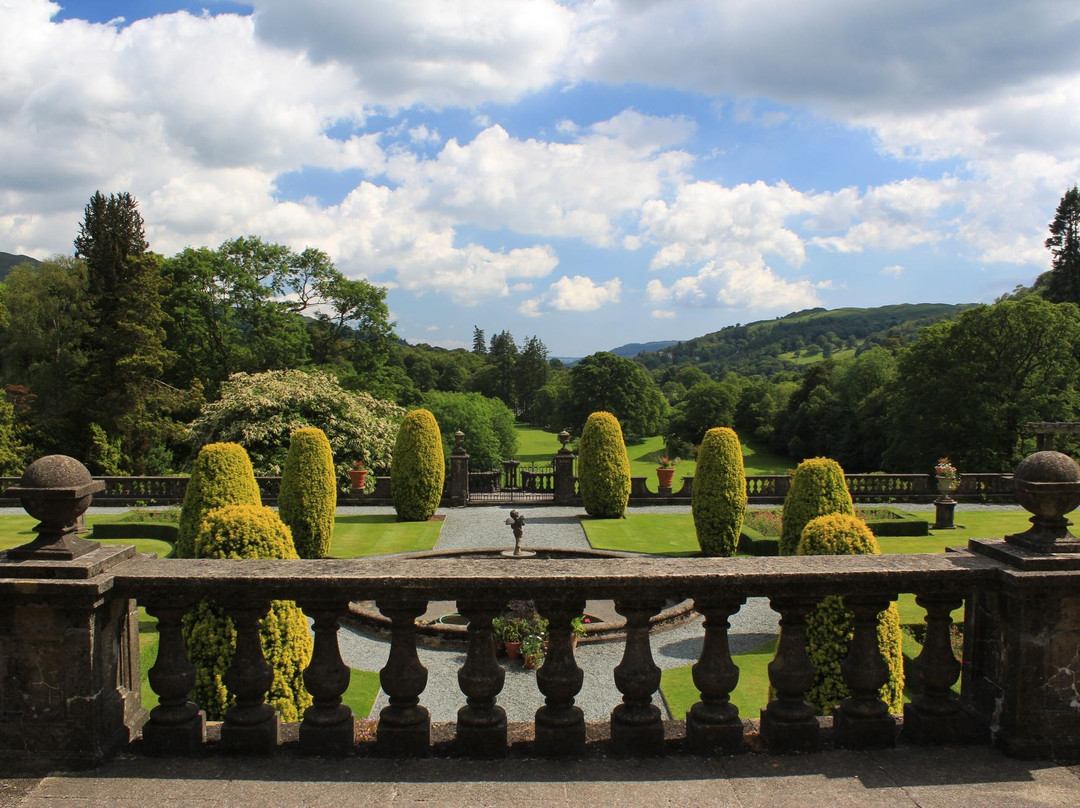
(358,476)
(665,477)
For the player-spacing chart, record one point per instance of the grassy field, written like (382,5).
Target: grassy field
(356,535)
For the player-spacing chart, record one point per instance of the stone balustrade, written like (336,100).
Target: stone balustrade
(69,662)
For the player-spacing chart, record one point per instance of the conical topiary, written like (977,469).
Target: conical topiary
(603,467)
(718,501)
(221,475)
(817,488)
(829,625)
(247,532)
(417,472)
(308,496)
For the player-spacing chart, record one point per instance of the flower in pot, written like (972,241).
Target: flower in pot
(533,651)
(947,476)
(358,474)
(665,472)
(509,631)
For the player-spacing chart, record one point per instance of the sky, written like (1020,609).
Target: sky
(592,172)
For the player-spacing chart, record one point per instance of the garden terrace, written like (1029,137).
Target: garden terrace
(71,674)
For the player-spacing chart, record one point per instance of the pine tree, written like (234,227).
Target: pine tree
(479,342)
(1064,281)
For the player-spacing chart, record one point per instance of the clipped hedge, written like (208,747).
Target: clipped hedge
(817,488)
(221,475)
(247,532)
(418,470)
(829,625)
(603,467)
(719,494)
(308,496)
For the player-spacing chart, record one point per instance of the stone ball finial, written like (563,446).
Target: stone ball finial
(56,490)
(1047,484)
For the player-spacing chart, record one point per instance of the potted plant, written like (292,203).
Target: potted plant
(509,631)
(532,650)
(577,627)
(665,473)
(947,476)
(358,475)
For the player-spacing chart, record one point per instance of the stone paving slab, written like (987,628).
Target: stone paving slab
(977,777)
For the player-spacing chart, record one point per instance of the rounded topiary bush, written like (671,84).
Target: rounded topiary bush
(718,500)
(603,467)
(817,488)
(247,532)
(418,471)
(221,475)
(829,625)
(308,496)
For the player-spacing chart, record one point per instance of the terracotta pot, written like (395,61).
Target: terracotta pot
(666,477)
(358,477)
(533,661)
(513,649)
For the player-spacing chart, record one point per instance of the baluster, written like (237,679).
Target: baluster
(713,724)
(788,722)
(404,724)
(176,726)
(934,716)
(251,725)
(862,720)
(560,725)
(328,727)
(481,723)
(636,724)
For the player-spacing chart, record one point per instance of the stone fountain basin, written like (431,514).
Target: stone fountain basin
(431,633)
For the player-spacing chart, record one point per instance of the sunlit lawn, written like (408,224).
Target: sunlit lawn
(750,696)
(358,535)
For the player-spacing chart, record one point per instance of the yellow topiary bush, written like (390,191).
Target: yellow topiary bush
(603,467)
(221,475)
(307,500)
(719,494)
(247,532)
(817,488)
(418,470)
(829,625)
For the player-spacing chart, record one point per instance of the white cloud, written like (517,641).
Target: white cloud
(578,293)
(895,271)
(421,134)
(735,285)
(662,314)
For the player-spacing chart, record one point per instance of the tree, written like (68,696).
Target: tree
(260,411)
(1063,283)
(719,495)
(488,425)
(418,471)
(503,357)
(110,233)
(221,475)
(308,496)
(604,382)
(817,488)
(532,371)
(965,388)
(706,405)
(479,343)
(603,467)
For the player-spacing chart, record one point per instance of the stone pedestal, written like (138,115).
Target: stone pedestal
(944,513)
(69,662)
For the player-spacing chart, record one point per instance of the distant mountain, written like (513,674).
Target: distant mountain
(789,343)
(634,348)
(7,261)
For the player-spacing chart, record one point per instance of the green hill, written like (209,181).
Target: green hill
(8,260)
(788,343)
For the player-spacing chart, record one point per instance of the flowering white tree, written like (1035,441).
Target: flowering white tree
(260,411)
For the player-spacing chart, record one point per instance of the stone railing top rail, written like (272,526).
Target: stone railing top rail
(441,578)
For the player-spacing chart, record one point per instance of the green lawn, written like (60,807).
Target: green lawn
(750,696)
(356,536)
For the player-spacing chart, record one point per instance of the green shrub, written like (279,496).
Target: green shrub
(603,467)
(418,470)
(221,475)
(247,532)
(488,425)
(817,488)
(829,625)
(308,497)
(719,494)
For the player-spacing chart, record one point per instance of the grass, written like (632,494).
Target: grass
(750,696)
(357,536)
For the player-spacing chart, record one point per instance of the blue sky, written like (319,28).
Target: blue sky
(593,172)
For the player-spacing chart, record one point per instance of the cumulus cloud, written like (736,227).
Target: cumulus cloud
(735,285)
(428,52)
(578,293)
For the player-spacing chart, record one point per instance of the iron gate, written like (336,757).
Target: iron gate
(514,482)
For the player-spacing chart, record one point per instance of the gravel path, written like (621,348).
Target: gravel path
(548,526)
